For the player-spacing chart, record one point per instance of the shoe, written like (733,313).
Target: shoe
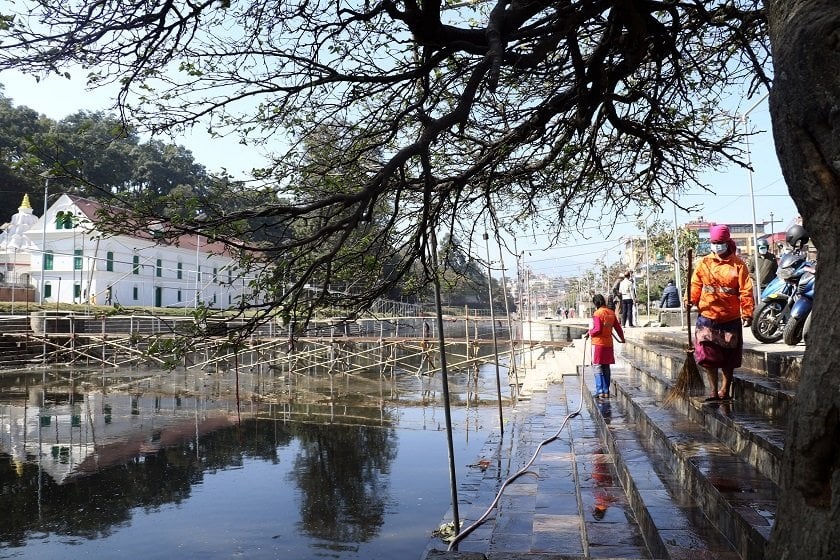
(605,396)
(722,395)
(712,397)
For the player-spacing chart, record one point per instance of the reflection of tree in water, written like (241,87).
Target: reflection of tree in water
(92,506)
(342,473)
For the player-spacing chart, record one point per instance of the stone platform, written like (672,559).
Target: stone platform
(629,477)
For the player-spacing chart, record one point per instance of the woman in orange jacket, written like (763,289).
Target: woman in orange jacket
(722,290)
(603,323)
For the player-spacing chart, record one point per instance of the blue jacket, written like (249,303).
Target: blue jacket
(670,296)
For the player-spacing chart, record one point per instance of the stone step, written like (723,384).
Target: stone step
(752,425)
(755,437)
(670,517)
(759,392)
(683,459)
(15,354)
(14,324)
(769,360)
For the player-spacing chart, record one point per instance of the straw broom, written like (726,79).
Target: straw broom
(690,382)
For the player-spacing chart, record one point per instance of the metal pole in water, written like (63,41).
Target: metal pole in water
(495,342)
(445,384)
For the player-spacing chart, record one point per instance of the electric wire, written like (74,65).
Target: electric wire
(524,470)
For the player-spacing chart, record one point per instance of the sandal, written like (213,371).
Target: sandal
(713,397)
(723,395)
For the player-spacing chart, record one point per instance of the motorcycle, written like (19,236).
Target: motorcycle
(800,311)
(772,313)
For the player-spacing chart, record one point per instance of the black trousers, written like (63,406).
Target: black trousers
(626,312)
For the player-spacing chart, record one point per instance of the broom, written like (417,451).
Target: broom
(690,382)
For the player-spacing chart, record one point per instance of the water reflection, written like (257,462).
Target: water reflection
(340,473)
(90,455)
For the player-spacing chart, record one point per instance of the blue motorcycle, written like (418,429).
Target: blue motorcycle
(772,313)
(801,309)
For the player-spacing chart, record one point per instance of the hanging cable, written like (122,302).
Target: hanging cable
(524,470)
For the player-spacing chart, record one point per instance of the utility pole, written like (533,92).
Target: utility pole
(773,227)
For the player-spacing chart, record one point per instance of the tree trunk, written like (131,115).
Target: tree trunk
(805,110)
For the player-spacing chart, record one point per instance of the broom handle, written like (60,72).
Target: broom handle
(688,297)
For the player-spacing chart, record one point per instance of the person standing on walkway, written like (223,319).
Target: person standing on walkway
(628,298)
(767,265)
(614,297)
(601,333)
(722,290)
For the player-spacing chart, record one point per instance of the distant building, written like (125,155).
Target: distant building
(78,263)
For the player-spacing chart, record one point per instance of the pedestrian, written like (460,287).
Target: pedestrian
(722,290)
(670,296)
(767,265)
(601,333)
(614,299)
(628,298)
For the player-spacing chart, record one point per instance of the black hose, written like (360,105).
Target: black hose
(524,470)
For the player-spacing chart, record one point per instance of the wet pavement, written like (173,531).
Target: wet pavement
(572,505)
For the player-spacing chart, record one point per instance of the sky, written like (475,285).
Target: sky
(731,202)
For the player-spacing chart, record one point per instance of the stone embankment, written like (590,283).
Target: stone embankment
(629,477)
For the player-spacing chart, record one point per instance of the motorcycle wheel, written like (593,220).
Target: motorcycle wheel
(793,331)
(806,328)
(767,322)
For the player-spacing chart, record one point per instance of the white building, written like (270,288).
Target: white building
(80,264)
(16,246)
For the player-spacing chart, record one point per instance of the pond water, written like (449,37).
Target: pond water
(137,463)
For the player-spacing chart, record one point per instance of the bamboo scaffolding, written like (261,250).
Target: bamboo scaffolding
(350,356)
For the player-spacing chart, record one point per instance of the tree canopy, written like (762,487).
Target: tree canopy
(452,116)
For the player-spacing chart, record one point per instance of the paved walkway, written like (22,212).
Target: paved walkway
(572,505)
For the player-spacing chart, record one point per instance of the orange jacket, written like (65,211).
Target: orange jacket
(608,321)
(722,288)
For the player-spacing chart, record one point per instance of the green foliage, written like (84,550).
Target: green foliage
(93,155)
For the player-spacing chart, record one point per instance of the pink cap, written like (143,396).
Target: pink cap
(719,233)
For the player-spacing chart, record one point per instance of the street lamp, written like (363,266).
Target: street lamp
(744,118)
(47,175)
(199,216)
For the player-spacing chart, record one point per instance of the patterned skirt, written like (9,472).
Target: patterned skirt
(718,344)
